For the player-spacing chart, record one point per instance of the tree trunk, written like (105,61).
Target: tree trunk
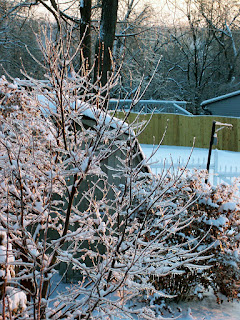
(105,40)
(85,32)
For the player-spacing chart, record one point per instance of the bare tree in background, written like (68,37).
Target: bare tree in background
(85,31)
(81,18)
(223,20)
(95,25)
(16,31)
(104,44)
(200,51)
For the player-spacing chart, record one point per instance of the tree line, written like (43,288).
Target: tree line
(197,43)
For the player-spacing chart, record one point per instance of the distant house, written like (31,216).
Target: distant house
(226,105)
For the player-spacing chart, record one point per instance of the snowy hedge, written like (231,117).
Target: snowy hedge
(215,221)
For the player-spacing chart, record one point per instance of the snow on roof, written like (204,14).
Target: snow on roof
(225,96)
(90,112)
(115,123)
(93,113)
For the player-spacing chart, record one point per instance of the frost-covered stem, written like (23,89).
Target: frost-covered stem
(19,179)
(122,237)
(129,162)
(41,309)
(62,108)
(10,313)
(68,214)
(63,121)
(22,201)
(34,296)
(74,123)
(92,309)
(6,266)
(4,294)
(54,76)
(66,228)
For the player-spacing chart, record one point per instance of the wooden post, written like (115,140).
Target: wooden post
(210,149)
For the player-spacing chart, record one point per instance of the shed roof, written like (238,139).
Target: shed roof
(225,96)
(90,112)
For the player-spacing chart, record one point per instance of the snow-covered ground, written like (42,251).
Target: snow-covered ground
(207,309)
(229,158)
(224,164)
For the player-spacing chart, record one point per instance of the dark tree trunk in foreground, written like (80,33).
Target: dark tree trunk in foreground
(105,40)
(85,32)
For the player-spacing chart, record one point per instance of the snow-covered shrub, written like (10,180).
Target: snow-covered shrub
(12,300)
(215,215)
(59,206)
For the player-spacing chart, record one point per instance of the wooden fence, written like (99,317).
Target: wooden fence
(182,130)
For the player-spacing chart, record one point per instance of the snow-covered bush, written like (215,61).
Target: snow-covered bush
(13,298)
(215,215)
(59,206)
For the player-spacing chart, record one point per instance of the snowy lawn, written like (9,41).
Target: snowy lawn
(208,308)
(225,158)
(222,161)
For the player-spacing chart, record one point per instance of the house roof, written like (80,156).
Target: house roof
(225,96)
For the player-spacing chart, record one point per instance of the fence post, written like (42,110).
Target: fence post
(215,167)
(210,149)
